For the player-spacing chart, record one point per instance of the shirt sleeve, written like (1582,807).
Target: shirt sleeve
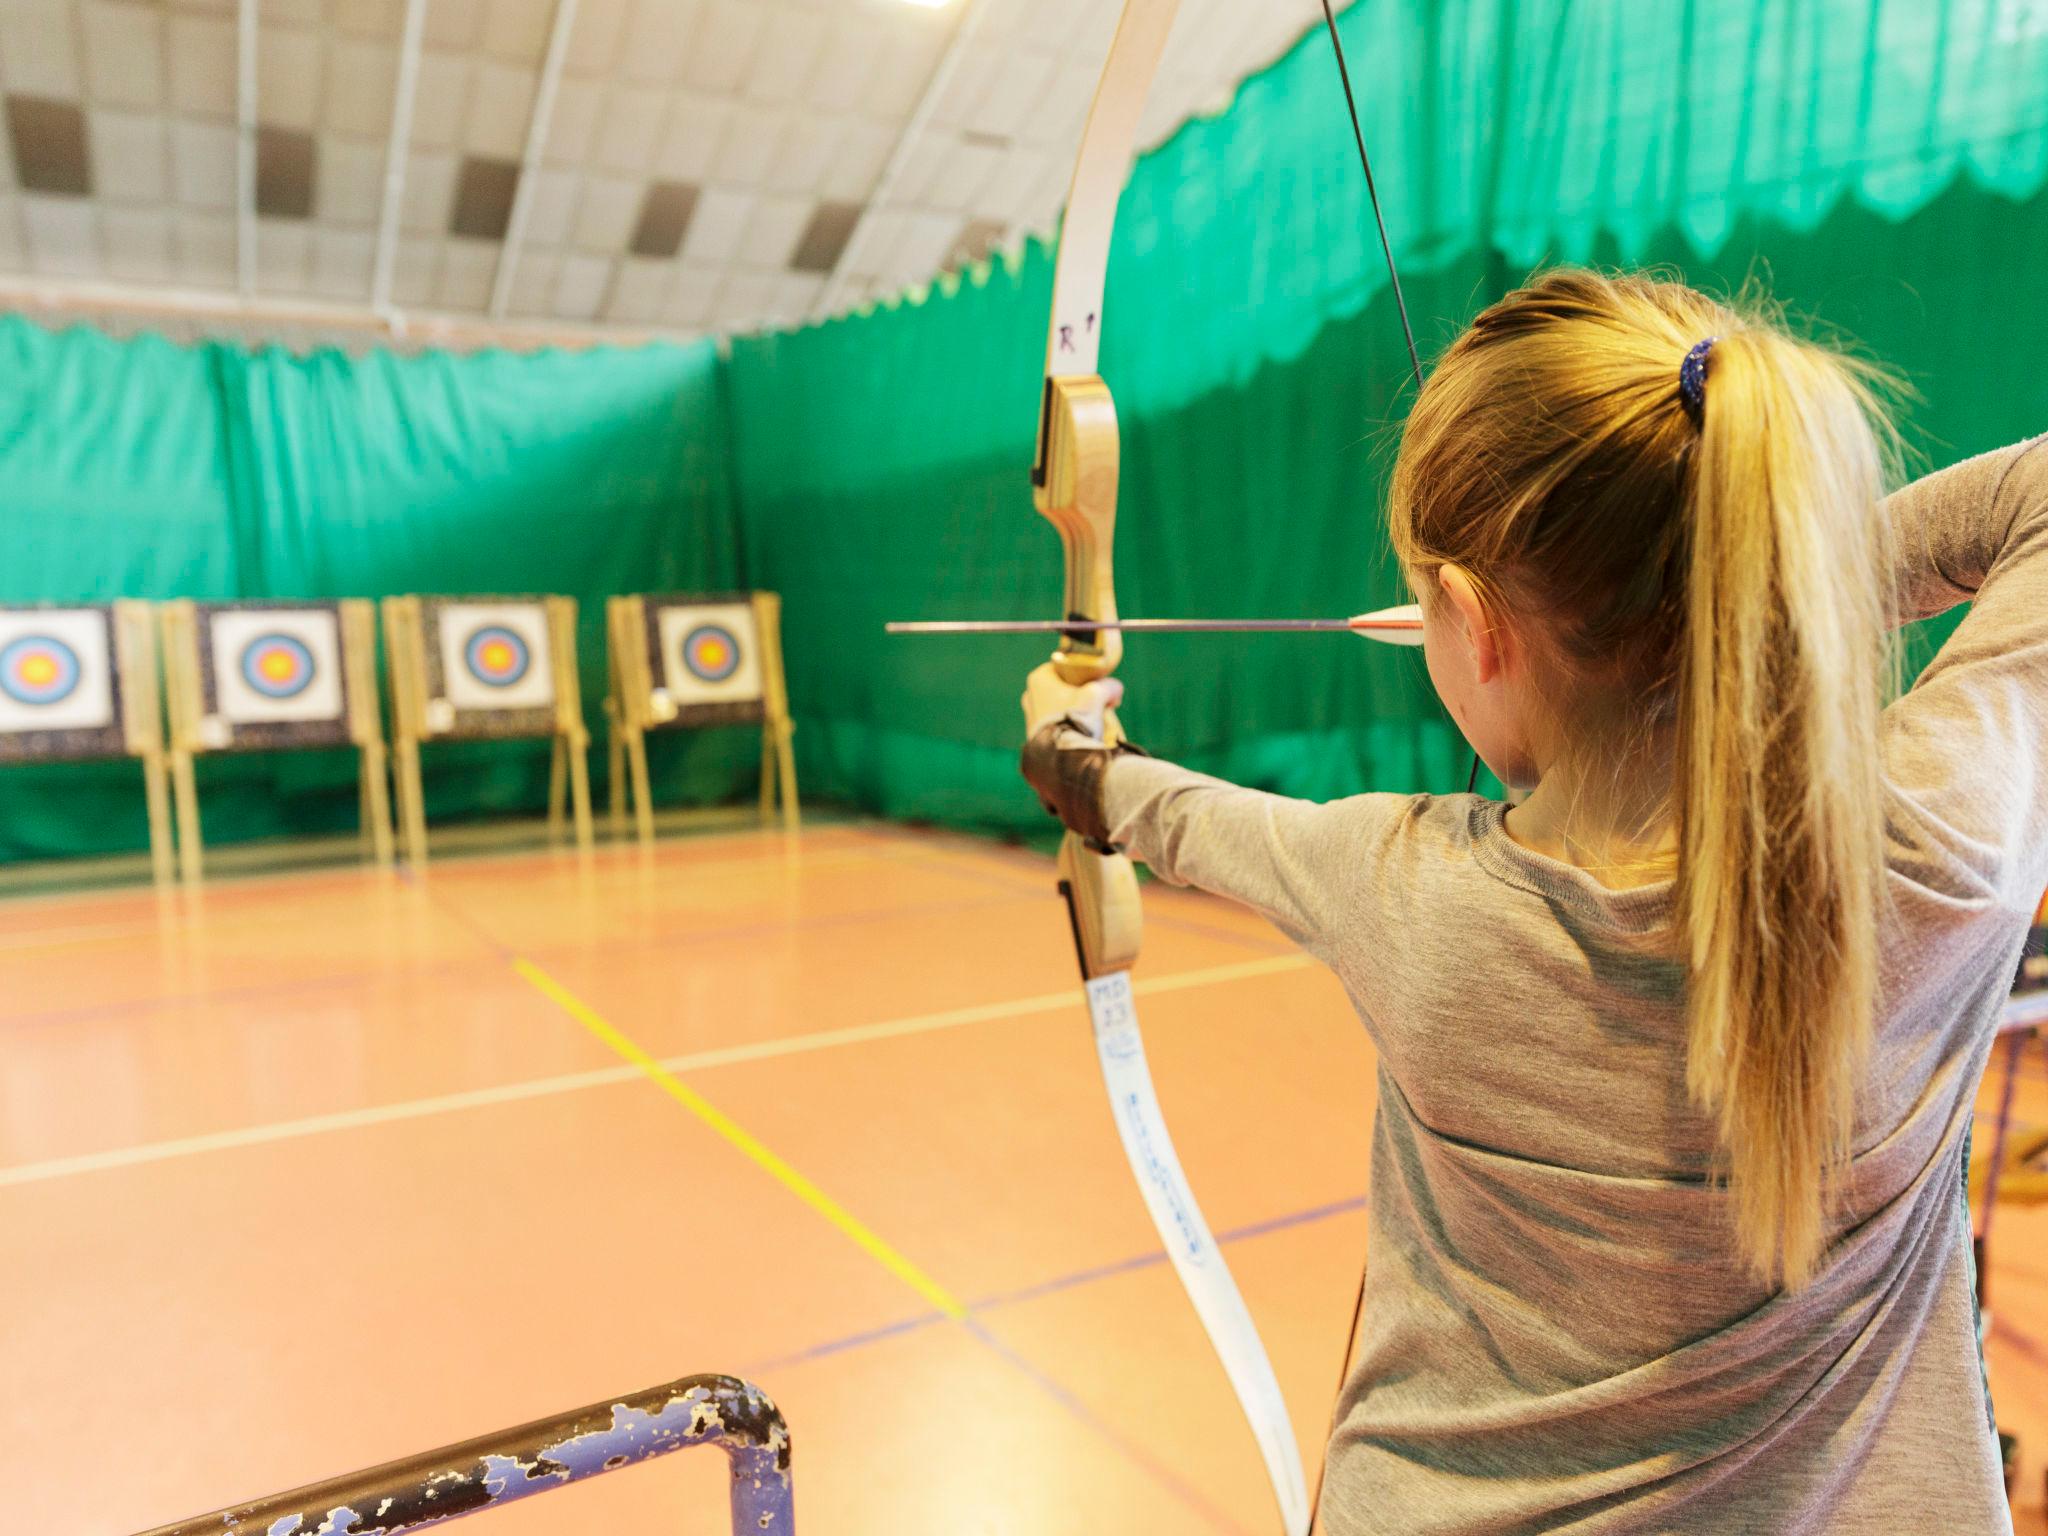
(1967,745)
(1294,861)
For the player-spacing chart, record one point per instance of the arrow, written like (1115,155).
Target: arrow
(1393,626)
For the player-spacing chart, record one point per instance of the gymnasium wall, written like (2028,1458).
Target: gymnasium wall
(145,469)
(1881,165)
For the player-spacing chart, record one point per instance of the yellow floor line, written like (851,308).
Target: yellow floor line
(570,1082)
(744,1141)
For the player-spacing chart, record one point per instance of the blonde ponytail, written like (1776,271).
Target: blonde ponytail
(1777,770)
(1715,579)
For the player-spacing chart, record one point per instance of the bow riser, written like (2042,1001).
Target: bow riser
(1075,487)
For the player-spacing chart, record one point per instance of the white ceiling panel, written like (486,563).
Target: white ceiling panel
(533,285)
(639,290)
(13,253)
(349,187)
(290,13)
(130,156)
(37,53)
(203,164)
(454,25)
(415,271)
(516,31)
(630,127)
(342,263)
(605,217)
(572,125)
(500,107)
(203,66)
(63,235)
(657,41)
(552,208)
(283,255)
(429,192)
(377,19)
(748,147)
(693,299)
(288,74)
(846,60)
(203,250)
(784,64)
(594,40)
(361,77)
(441,99)
(580,290)
(723,43)
(772,231)
(748,295)
(718,224)
(468,268)
(124,54)
(857,160)
(138,244)
(689,145)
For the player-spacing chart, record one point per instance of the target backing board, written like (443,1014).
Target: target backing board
(272,675)
(490,666)
(59,686)
(707,659)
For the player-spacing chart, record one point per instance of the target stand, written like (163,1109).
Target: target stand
(682,661)
(80,682)
(272,676)
(485,668)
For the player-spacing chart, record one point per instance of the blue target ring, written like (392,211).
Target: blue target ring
(38,669)
(277,665)
(711,652)
(496,656)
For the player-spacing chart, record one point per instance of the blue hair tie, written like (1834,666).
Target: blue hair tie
(1692,381)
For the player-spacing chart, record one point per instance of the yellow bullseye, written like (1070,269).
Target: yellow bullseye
(39,671)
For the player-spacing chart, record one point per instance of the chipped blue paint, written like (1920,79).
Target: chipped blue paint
(494,1470)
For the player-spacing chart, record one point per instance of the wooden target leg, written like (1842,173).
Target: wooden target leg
(412,807)
(187,796)
(615,764)
(643,801)
(156,797)
(578,751)
(767,773)
(557,787)
(787,761)
(376,806)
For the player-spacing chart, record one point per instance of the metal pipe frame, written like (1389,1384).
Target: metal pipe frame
(397,148)
(529,163)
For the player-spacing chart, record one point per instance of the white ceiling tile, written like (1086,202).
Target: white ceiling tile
(203,164)
(610,207)
(350,186)
(716,226)
(803,153)
(63,236)
(872,244)
(728,32)
(517,30)
(203,65)
(849,52)
(980,62)
(288,71)
(361,78)
(552,208)
(690,145)
(429,192)
(747,149)
(533,283)
(381,19)
(639,290)
(594,39)
(203,250)
(130,156)
(657,37)
(1008,95)
(138,242)
(573,123)
(454,24)
(283,249)
(343,263)
(795,295)
(1056,118)
(897,77)
(500,107)
(1016,178)
(289,13)
(922,157)
(579,292)
(13,252)
(438,104)
(629,133)
(921,248)
(856,164)
(744,299)
(415,266)
(773,229)
(691,299)
(784,62)
(468,268)
(961,172)
(37,56)
(124,54)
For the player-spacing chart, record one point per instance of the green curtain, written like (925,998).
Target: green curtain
(144,469)
(1879,163)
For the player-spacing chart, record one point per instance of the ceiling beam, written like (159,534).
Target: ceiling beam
(397,154)
(892,172)
(245,147)
(529,164)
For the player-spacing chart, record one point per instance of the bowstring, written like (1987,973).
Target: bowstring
(1379,220)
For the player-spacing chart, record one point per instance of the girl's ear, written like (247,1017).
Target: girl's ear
(1483,638)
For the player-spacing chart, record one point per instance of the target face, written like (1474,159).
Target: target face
(275,664)
(495,655)
(709,654)
(56,672)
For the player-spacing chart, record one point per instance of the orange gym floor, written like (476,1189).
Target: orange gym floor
(302,1173)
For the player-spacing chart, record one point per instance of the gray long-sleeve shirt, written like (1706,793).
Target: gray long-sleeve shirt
(1558,1332)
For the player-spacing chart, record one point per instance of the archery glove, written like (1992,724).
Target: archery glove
(1067,765)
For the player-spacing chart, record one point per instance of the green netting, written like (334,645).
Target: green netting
(1880,164)
(143,469)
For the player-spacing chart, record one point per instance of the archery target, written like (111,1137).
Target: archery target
(56,670)
(495,656)
(710,654)
(276,664)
